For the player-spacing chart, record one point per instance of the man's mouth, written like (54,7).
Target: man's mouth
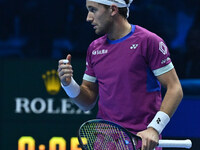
(94,26)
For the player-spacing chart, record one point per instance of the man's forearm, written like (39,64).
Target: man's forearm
(169,105)
(171,100)
(86,99)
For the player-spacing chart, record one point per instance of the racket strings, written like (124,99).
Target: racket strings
(110,138)
(102,136)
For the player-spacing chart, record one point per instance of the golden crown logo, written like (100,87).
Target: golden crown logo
(52,82)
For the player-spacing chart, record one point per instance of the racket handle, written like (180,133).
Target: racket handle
(175,143)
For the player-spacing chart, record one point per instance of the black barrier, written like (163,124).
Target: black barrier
(36,114)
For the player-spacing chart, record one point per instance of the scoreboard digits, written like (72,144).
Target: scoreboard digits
(55,143)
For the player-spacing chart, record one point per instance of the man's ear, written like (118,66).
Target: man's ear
(114,10)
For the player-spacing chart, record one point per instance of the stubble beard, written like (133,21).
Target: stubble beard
(103,30)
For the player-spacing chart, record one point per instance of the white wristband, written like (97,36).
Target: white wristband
(159,122)
(73,89)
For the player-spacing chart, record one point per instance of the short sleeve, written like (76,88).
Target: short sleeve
(89,71)
(158,55)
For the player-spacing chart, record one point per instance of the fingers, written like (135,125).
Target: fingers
(65,71)
(65,79)
(64,61)
(149,140)
(64,66)
(148,144)
(69,57)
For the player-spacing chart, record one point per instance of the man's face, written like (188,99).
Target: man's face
(99,16)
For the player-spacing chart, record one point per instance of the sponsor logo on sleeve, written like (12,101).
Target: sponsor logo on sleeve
(165,60)
(163,48)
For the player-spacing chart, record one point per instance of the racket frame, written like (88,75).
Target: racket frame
(134,138)
(131,136)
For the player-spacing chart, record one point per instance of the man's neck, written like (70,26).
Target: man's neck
(119,29)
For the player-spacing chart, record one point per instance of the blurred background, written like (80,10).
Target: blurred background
(35,112)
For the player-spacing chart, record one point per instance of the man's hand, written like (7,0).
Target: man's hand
(65,71)
(150,138)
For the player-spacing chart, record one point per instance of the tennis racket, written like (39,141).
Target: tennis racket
(98,134)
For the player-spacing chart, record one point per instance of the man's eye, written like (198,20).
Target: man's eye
(92,10)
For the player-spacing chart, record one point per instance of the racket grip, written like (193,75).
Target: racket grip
(175,143)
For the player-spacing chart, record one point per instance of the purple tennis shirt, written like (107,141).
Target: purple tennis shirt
(126,70)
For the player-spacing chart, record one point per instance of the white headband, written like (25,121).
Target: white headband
(118,3)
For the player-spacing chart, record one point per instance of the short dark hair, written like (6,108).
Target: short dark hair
(122,11)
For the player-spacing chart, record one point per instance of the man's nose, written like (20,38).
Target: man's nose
(89,17)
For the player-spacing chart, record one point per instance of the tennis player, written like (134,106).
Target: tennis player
(125,68)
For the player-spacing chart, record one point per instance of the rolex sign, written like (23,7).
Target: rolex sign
(36,114)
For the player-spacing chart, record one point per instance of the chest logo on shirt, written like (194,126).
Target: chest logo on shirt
(99,52)
(163,48)
(134,46)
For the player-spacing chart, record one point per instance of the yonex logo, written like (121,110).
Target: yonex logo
(134,46)
(158,121)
